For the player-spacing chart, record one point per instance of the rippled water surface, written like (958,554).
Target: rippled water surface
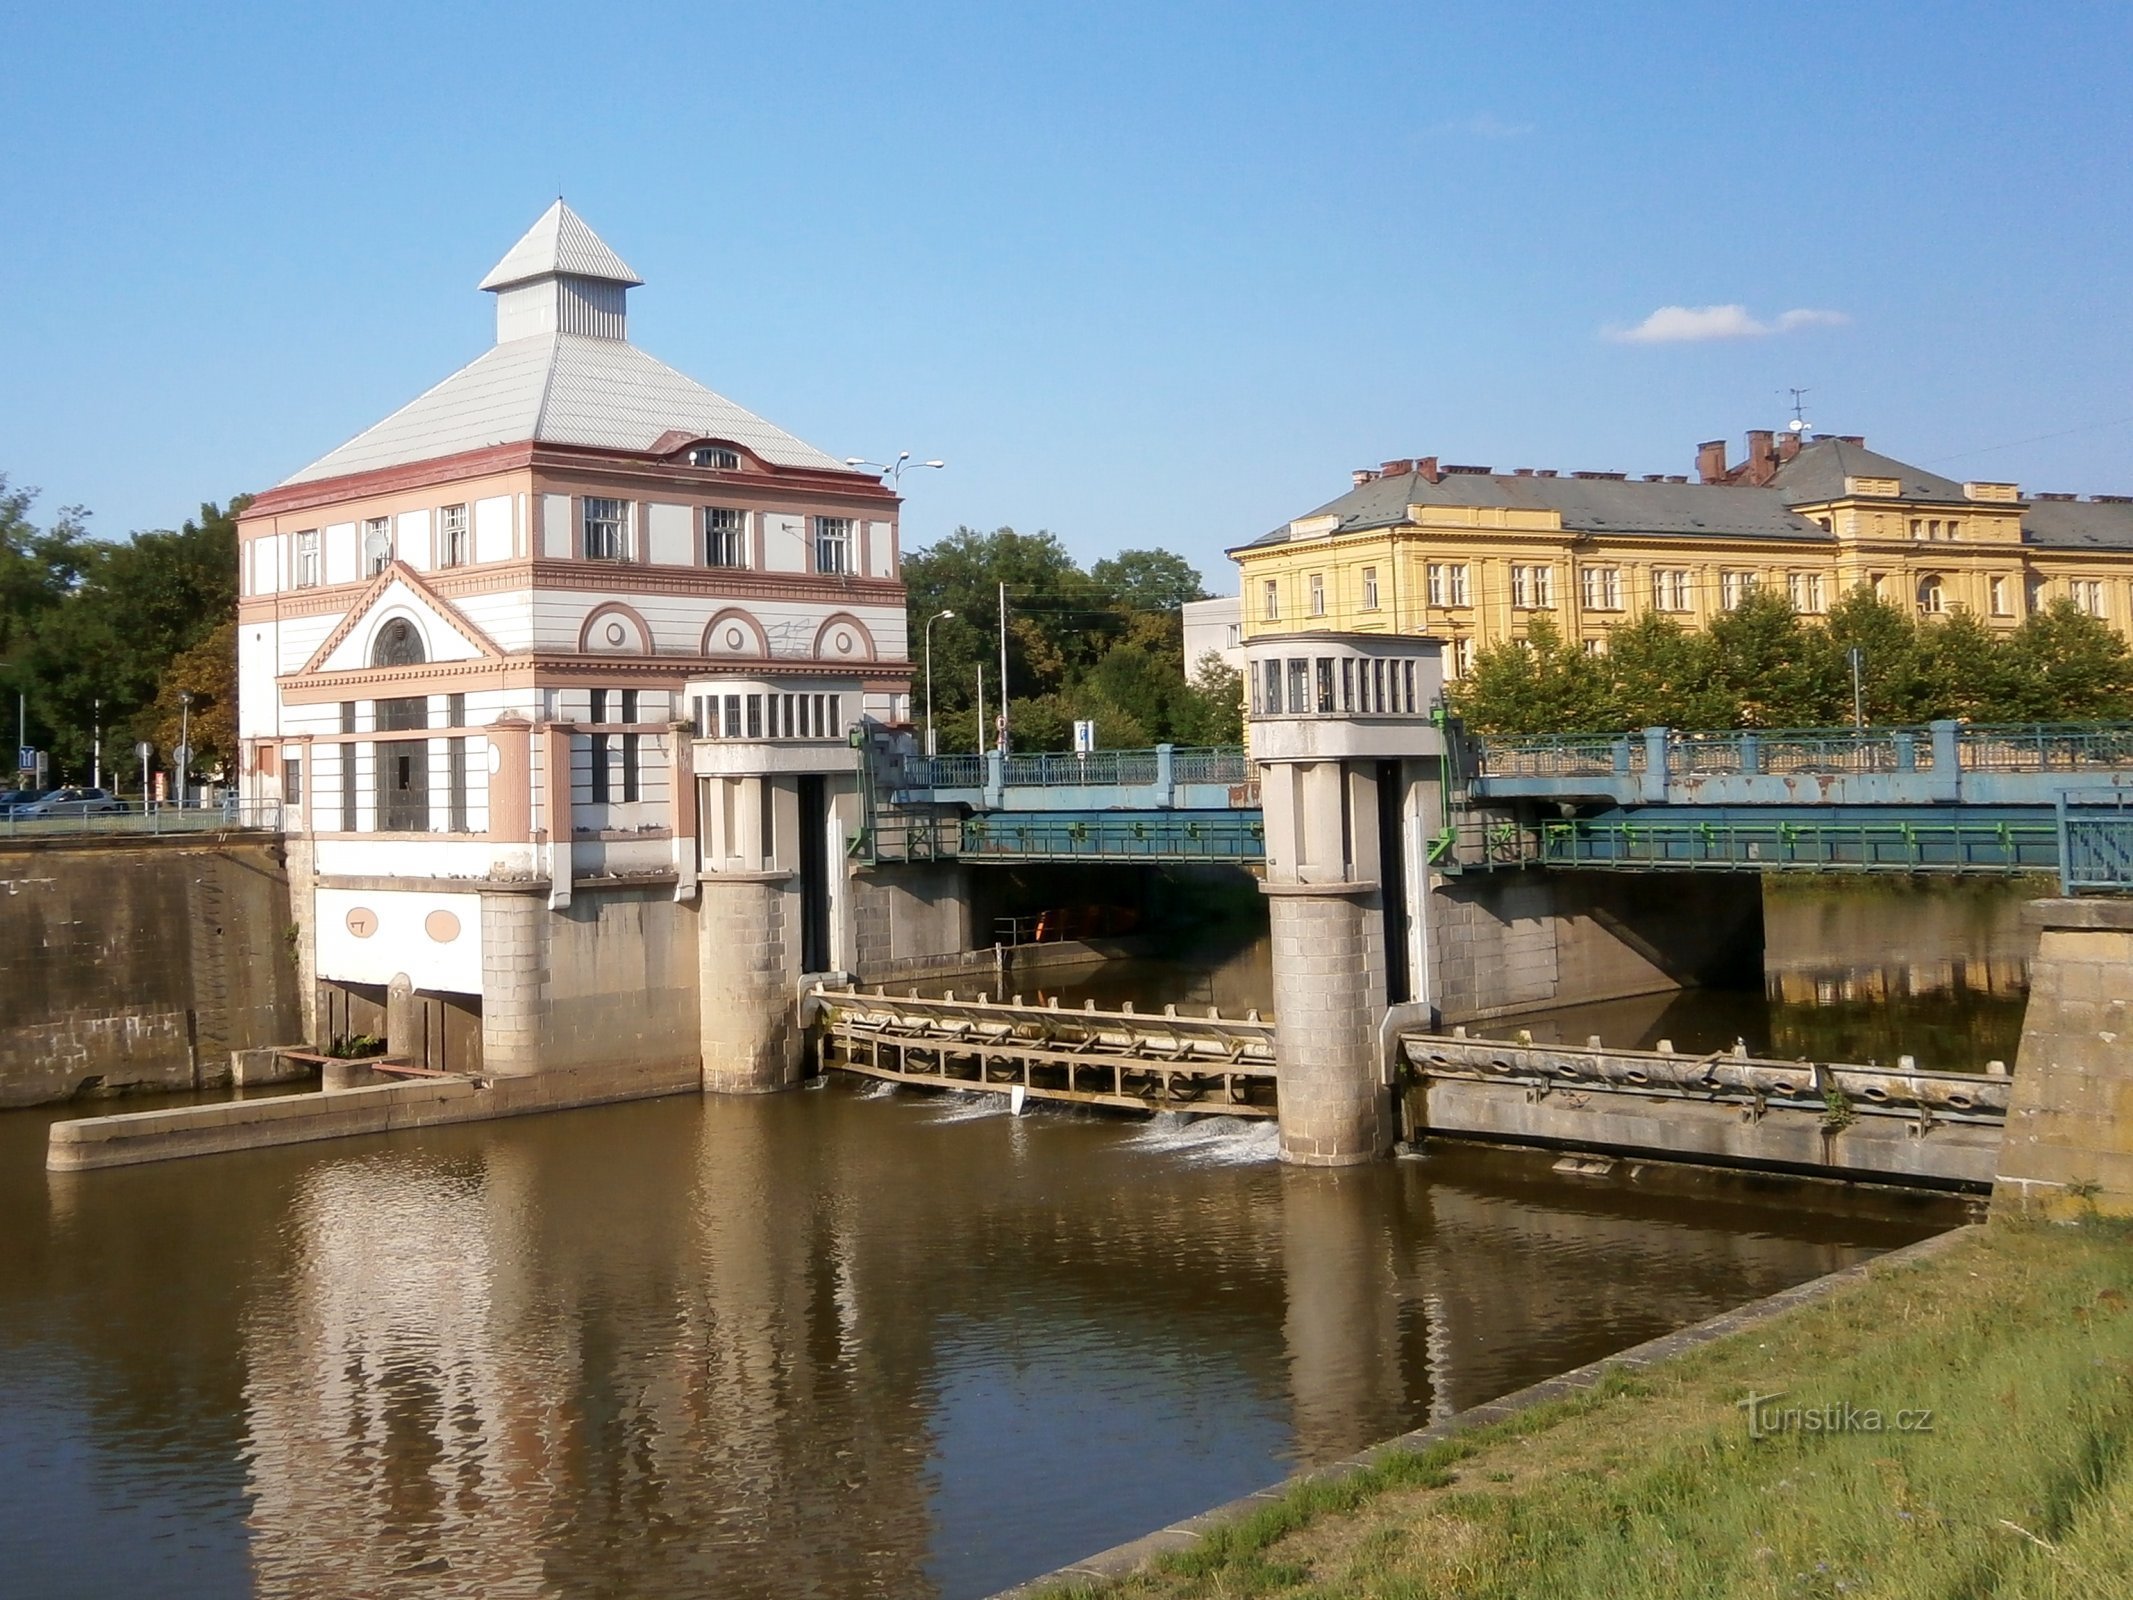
(834,1343)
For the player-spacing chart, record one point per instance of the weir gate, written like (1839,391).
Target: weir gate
(1901,1125)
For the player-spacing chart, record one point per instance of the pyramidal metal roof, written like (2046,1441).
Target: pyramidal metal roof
(560,388)
(559,243)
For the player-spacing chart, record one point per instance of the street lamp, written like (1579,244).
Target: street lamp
(892,470)
(930,621)
(185,741)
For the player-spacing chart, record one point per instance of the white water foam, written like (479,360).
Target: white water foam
(1210,1141)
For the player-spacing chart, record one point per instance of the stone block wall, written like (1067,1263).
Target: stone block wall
(1329,991)
(901,914)
(140,963)
(2069,1141)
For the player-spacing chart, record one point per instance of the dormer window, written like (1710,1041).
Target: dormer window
(715,456)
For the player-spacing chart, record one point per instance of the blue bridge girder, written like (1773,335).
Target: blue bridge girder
(1166,778)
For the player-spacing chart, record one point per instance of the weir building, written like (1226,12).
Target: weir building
(1473,556)
(557,674)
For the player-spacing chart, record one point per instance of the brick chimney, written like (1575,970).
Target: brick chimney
(1395,469)
(1711,461)
(1427,467)
(1761,465)
(1788,446)
(1363,475)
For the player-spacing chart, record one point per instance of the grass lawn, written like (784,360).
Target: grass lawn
(2017,1341)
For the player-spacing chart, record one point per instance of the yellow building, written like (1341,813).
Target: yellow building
(1471,555)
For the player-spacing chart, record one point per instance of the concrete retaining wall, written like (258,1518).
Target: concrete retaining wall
(1509,942)
(130,1139)
(140,963)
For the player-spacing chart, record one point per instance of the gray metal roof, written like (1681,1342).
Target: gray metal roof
(559,388)
(1587,505)
(1818,472)
(2078,524)
(559,243)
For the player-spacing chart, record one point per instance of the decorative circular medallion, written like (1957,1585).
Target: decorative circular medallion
(616,633)
(844,644)
(734,638)
(362,921)
(441,926)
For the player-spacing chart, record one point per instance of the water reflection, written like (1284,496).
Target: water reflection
(835,1343)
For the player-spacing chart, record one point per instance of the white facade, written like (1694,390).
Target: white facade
(1214,627)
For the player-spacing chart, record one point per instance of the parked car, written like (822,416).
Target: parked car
(73,802)
(13,800)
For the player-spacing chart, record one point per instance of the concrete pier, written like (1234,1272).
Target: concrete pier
(2069,1142)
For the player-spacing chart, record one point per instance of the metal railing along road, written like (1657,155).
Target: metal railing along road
(1895,845)
(1225,764)
(1212,836)
(1980,747)
(86,818)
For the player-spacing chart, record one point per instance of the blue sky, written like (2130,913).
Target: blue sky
(1144,274)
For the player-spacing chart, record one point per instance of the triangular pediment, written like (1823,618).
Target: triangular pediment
(399,592)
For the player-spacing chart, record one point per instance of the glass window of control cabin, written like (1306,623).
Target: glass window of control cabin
(1318,594)
(1273,688)
(452,538)
(732,719)
(631,782)
(1407,682)
(833,544)
(1370,588)
(292,776)
(307,564)
(1299,686)
(1347,684)
(725,537)
(1377,687)
(1325,685)
(607,529)
(598,762)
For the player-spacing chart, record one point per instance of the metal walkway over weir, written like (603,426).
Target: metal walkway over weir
(1895,1123)
(1946,798)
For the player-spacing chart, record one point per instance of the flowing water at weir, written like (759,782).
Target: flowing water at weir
(834,1343)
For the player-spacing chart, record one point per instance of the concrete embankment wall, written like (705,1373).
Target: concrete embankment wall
(1510,942)
(140,963)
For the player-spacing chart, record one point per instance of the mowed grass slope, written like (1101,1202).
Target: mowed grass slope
(2018,1341)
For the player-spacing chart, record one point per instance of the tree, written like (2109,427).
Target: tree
(1148,580)
(1212,710)
(1777,674)
(1662,676)
(1539,684)
(2067,666)
(1895,686)
(208,672)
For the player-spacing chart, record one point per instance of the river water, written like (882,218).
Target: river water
(841,1342)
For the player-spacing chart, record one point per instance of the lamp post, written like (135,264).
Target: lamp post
(930,621)
(892,470)
(185,741)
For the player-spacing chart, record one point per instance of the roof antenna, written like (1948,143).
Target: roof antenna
(1799,423)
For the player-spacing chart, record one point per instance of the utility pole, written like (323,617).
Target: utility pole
(1858,659)
(1003,670)
(185,742)
(96,743)
(981,709)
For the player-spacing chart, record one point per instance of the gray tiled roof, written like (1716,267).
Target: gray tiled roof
(1587,505)
(2078,524)
(1818,472)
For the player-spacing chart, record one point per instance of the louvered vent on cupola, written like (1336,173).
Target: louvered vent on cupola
(560,278)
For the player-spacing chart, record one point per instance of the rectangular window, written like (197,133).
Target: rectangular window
(1407,680)
(785,720)
(607,529)
(1734,589)
(836,705)
(725,537)
(348,769)
(1299,687)
(1272,605)
(452,542)
(1273,688)
(455,759)
(1377,687)
(377,545)
(1325,686)
(1600,588)
(1671,589)
(1804,590)
(1370,588)
(2001,598)
(1347,684)
(732,717)
(1235,636)
(833,544)
(1318,594)
(292,776)
(307,567)
(1955,528)
(598,746)
(1447,583)
(1593,648)
(1462,657)
(1533,588)
(1918,527)
(2088,596)
(632,787)
(755,716)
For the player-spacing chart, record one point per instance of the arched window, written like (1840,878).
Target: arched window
(1932,597)
(397,645)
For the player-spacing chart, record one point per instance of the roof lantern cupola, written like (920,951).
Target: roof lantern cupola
(560,278)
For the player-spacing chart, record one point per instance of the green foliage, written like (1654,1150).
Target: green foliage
(88,623)
(1762,666)
(1104,645)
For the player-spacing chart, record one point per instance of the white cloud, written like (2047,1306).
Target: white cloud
(1697,324)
